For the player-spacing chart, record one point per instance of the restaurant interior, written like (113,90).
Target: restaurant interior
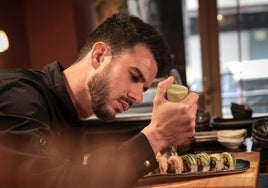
(219,50)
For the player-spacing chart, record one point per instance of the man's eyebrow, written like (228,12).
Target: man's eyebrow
(140,76)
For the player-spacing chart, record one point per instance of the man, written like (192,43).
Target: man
(41,112)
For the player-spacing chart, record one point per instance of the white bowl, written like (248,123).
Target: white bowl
(223,139)
(237,133)
(231,143)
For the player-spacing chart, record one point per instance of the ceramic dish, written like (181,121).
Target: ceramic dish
(205,136)
(234,134)
(241,166)
(231,144)
(260,128)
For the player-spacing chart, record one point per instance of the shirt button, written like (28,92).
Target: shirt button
(42,141)
(147,163)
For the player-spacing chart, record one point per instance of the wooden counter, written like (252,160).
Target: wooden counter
(249,178)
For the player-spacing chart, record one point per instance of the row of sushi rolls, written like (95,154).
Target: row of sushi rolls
(193,163)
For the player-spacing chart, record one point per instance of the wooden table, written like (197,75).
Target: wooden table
(249,178)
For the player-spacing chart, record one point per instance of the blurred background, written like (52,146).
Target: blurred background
(219,47)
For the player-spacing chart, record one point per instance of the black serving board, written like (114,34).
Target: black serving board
(241,166)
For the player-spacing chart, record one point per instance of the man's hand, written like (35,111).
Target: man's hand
(172,123)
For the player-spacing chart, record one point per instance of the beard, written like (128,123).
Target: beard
(99,92)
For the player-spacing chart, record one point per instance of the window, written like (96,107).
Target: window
(225,43)
(243,58)
(243,39)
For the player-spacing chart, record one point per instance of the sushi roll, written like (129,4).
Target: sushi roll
(162,163)
(228,161)
(203,162)
(175,164)
(216,162)
(189,163)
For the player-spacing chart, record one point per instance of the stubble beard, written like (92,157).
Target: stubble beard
(99,91)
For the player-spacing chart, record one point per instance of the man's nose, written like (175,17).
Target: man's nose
(136,93)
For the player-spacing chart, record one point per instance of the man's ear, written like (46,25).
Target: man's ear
(98,51)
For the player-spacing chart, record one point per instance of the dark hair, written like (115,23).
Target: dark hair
(122,31)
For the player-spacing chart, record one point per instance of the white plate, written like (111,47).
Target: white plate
(237,133)
(206,136)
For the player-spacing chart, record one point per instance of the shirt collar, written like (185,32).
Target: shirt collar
(54,74)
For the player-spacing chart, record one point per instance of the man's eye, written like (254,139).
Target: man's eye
(134,78)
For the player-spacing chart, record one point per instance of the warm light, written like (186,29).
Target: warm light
(4,44)
(219,17)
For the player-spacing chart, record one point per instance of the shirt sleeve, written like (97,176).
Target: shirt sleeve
(29,154)
(123,165)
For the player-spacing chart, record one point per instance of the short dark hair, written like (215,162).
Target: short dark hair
(122,31)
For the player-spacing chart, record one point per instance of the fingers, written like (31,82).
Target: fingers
(184,138)
(186,109)
(191,98)
(187,127)
(163,87)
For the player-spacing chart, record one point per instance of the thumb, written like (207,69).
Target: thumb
(163,86)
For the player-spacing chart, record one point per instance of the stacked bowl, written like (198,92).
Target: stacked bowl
(260,132)
(232,139)
(240,111)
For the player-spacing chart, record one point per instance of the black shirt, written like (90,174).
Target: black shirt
(41,138)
